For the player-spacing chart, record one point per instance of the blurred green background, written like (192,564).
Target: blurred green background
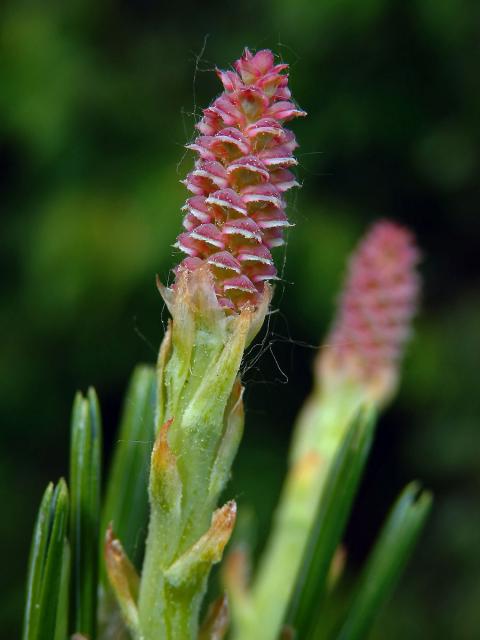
(96,102)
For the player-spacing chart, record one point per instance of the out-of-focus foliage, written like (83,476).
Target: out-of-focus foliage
(96,102)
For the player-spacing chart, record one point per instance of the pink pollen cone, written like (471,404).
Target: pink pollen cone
(236,214)
(376,308)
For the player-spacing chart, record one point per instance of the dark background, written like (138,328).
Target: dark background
(96,102)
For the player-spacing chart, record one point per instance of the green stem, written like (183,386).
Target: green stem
(199,423)
(151,603)
(200,407)
(166,612)
(318,436)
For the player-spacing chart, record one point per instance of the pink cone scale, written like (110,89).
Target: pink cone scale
(378,302)
(236,214)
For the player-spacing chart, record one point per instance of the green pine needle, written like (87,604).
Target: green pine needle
(387,560)
(46,610)
(126,501)
(85,464)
